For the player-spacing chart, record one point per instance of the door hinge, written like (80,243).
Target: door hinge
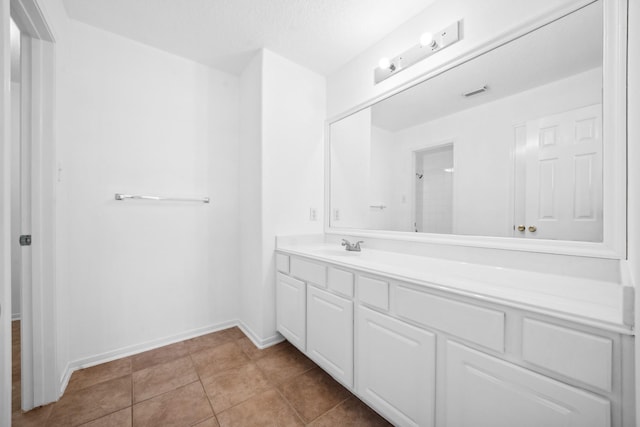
(25,240)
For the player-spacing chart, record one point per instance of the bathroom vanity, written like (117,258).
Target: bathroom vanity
(492,288)
(434,342)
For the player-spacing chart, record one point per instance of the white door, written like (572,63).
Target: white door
(330,333)
(395,365)
(482,391)
(563,176)
(291,303)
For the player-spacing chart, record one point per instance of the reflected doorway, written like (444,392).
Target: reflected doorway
(434,172)
(558,185)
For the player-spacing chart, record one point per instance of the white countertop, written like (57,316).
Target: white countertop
(591,302)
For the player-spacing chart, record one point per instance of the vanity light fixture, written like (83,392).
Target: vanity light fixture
(428,44)
(426,40)
(386,64)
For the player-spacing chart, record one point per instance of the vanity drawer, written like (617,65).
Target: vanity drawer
(282,263)
(341,281)
(309,271)
(475,324)
(373,292)
(575,354)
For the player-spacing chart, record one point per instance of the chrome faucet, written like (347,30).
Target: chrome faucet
(355,247)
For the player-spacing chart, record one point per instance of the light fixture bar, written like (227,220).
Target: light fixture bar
(417,53)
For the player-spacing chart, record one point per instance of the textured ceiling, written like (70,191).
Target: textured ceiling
(319,34)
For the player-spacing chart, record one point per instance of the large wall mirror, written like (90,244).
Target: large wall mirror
(507,144)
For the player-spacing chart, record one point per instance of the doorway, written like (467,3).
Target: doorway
(16,217)
(28,189)
(559,177)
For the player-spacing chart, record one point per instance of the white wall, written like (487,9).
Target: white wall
(285,164)
(15,201)
(250,191)
(134,119)
(294,106)
(353,83)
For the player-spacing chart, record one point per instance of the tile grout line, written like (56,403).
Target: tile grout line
(132,397)
(335,406)
(215,414)
(204,390)
(291,405)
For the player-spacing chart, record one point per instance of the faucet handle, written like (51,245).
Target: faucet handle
(357,244)
(345,242)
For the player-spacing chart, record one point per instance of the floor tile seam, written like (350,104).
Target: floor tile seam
(191,424)
(161,384)
(163,393)
(213,411)
(191,353)
(193,366)
(333,407)
(270,387)
(291,379)
(132,395)
(278,383)
(224,371)
(94,419)
(67,390)
(161,363)
(291,406)
(276,351)
(133,371)
(204,389)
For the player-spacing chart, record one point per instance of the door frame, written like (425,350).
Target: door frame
(40,378)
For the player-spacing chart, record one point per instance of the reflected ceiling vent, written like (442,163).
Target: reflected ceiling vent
(476,91)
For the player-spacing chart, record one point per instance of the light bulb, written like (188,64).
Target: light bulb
(426,40)
(384,63)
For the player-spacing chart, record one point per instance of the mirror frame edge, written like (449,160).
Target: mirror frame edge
(614,244)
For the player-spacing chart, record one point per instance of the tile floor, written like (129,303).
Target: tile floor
(220,379)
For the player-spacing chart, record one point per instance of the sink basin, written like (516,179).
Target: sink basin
(339,252)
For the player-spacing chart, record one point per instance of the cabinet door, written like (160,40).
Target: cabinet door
(482,391)
(291,303)
(395,365)
(330,333)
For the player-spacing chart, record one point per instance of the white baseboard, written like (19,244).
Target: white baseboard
(15,316)
(64,379)
(261,343)
(109,356)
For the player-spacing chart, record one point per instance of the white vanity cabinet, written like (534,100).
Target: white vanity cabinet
(483,391)
(422,355)
(396,365)
(330,333)
(291,313)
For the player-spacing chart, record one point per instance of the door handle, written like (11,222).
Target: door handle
(521,228)
(532,228)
